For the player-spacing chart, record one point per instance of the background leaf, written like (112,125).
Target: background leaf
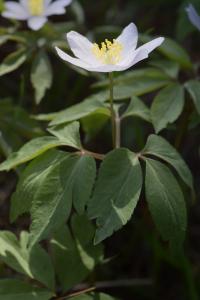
(12,289)
(75,256)
(13,61)
(167,106)
(16,255)
(193,87)
(137,108)
(41,75)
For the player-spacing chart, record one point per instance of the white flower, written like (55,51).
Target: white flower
(118,55)
(35,12)
(193,16)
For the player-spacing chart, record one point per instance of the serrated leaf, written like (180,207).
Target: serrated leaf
(16,255)
(159,147)
(116,192)
(75,258)
(137,108)
(80,110)
(68,133)
(193,87)
(167,106)
(29,181)
(65,136)
(41,75)
(69,181)
(166,201)
(29,151)
(12,289)
(13,61)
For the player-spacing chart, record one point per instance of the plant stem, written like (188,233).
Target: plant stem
(117,130)
(93,154)
(86,288)
(115,119)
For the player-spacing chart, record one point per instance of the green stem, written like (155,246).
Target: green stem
(115,120)
(117,131)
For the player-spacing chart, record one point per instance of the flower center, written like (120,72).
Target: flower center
(109,52)
(36,7)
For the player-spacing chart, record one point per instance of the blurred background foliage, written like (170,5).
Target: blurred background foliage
(136,251)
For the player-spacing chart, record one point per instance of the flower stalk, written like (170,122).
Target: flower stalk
(115,120)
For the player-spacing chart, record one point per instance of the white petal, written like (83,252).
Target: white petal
(15,11)
(128,38)
(36,22)
(193,16)
(75,61)
(47,2)
(150,46)
(81,47)
(93,68)
(24,3)
(139,54)
(57,7)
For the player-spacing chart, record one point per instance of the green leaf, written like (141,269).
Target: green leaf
(193,87)
(170,68)
(137,108)
(159,147)
(83,232)
(65,136)
(172,50)
(13,61)
(71,180)
(39,262)
(30,179)
(12,289)
(116,192)
(69,134)
(41,75)
(11,254)
(75,258)
(175,52)
(94,296)
(16,255)
(29,151)
(166,202)
(167,106)
(80,110)
(135,77)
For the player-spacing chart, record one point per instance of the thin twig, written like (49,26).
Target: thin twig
(93,154)
(102,285)
(112,110)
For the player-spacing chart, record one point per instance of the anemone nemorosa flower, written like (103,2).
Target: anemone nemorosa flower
(193,16)
(118,55)
(35,12)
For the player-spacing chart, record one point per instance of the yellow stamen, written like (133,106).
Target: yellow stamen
(109,52)
(36,7)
